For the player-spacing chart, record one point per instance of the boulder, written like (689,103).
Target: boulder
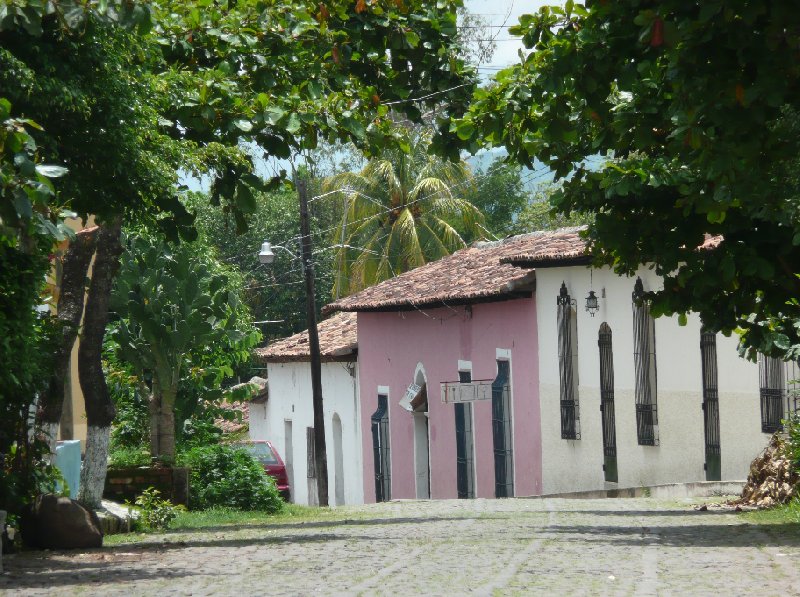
(54,522)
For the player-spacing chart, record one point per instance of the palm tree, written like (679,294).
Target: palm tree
(401,211)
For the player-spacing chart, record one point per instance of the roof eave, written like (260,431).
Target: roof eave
(546,263)
(438,304)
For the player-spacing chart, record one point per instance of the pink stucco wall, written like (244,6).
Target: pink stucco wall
(392,344)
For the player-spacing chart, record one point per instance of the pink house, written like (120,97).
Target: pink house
(448,368)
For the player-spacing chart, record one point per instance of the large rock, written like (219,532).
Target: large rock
(54,522)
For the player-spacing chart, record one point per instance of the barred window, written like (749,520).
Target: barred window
(567,365)
(380,447)
(777,382)
(644,362)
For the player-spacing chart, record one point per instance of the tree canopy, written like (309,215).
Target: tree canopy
(694,105)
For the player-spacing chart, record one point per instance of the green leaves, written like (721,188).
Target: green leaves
(688,116)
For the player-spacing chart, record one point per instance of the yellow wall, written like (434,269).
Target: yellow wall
(73,386)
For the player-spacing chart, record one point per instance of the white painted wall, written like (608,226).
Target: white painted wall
(290,400)
(577,465)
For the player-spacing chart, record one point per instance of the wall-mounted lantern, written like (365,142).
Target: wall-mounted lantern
(592,304)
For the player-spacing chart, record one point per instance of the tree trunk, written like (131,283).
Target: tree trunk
(72,290)
(100,409)
(154,410)
(166,426)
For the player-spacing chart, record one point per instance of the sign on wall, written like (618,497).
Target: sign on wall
(454,392)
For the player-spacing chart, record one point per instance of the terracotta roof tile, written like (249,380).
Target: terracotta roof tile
(477,273)
(240,422)
(337,339)
(560,247)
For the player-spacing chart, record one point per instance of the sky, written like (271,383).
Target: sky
(502,14)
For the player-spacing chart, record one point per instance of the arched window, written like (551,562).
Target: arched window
(567,365)
(644,361)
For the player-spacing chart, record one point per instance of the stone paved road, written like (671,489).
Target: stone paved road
(481,547)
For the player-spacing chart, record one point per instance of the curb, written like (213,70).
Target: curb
(671,490)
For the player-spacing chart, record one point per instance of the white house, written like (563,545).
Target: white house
(287,418)
(630,401)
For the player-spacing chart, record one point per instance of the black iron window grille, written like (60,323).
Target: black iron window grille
(501,432)
(380,447)
(708,353)
(465,445)
(644,362)
(773,390)
(567,370)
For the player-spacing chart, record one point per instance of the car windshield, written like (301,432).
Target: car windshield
(260,451)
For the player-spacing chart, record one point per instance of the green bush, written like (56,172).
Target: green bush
(793,443)
(155,514)
(128,458)
(225,476)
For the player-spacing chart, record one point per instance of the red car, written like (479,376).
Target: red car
(266,454)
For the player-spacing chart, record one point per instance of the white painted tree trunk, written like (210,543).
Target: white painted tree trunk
(95,464)
(50,431)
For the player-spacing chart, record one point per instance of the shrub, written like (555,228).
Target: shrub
(793,442)
(154,513)
(225,476)
(128,458)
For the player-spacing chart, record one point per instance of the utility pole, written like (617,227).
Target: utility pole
(320,457)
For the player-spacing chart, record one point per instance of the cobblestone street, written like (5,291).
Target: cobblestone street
(481,547)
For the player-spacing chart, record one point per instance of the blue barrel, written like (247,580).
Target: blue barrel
(68,461)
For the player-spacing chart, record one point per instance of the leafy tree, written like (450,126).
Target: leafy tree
(500,196)
(402,210)
(86,78)
(180,317)
(129,93)
(539,213)
(696,105)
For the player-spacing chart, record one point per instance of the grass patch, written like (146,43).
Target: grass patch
(221,517)
(785,514)
(228,516)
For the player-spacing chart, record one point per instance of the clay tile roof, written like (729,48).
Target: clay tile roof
(475,274)
(240,422)
(337,341)
(560,247)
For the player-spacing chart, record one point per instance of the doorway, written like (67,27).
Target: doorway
(381,454)
(288,455)
(422,450)
(501,432)
(338,459)
(604,342)
(708,351)
(465,445)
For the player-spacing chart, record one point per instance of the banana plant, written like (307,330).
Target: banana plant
(179,316)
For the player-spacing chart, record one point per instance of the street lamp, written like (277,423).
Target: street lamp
(266,256)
